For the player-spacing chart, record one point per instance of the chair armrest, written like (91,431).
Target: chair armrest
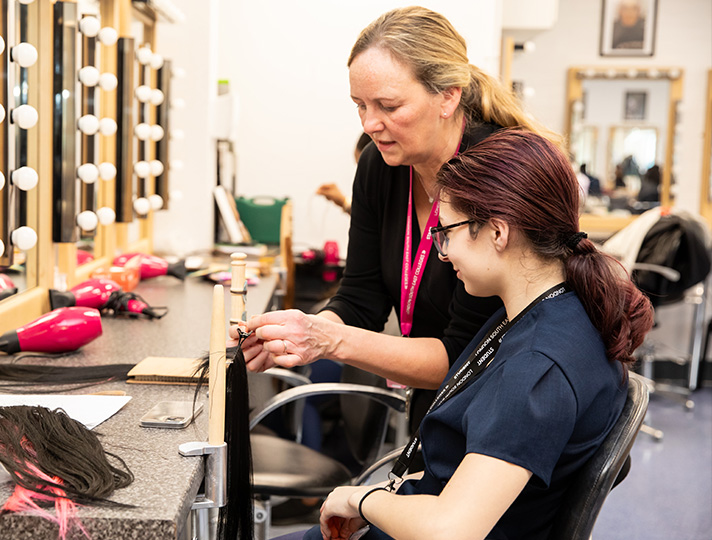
(292,378)
(380,462)
(386,397)
(665,271)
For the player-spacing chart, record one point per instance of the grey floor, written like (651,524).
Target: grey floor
(668,492)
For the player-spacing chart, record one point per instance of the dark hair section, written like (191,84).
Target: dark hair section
(525,180)
(236,518)
(54,459)
(17,377)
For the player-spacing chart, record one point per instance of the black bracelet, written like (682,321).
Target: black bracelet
(360,504)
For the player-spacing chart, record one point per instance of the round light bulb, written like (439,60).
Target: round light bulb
(632,73)
(2,45)
(143,55)
(156,167)
(142,131)
(108,81)
(106,215)
(156,61)
(178,73)
(177,134)
(178,103)
(529,46)
(611,73)
(24,238)
(26,2)
(88,124)
(142,169)
(88,173)
(89,26)
(578,106)
(2,113)
(87,220)
(25,178)
(107,171)
(25,116)
(89,76)
(2,248)
(157,97)
(156,201)
(24,54)
(108,36)
(176,195)
(143,93)
(156,132)
(674,73)
(2,180)
(142,206)
(529,91)
(176,164)
(108,126)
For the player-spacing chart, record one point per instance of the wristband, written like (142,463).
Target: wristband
(360,504)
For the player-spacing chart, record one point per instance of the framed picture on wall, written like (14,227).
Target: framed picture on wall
(628,27)
(634,107)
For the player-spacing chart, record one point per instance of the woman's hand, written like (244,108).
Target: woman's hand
(292,338)
(257,359)
(339,513)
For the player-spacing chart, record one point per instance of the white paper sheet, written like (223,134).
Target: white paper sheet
(89,410)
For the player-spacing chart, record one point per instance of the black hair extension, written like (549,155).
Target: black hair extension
(22,374)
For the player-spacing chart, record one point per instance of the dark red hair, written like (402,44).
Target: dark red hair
(526,181)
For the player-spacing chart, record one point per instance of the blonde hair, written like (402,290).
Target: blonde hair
(426,42)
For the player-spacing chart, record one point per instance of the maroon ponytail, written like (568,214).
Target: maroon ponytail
(525,180)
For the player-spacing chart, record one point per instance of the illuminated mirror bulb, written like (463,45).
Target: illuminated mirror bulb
(578,106)
(143,55)
(2,45)
(25,178)
(108,36)
(89,76)
(24,54)
(106,215)
(142,169)
(178,73)
(674,73)
(156,167)
(176,164)
(25,116)
(89,26)
(108,126)
(142,206)
(26,2)
(156,61)
(108,81)
(107,171)
(2,180)
(156,201)
(88,124)
(156,132)
(2,248)
(142,131)
(611,73)
(24,238)
(178,103)
(2,113)
(87,220)
(88,173)
(143,93)
(176,195)
(177,134)
(529,92)
(156,96)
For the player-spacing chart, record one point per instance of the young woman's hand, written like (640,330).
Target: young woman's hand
(257,359)
(339,513)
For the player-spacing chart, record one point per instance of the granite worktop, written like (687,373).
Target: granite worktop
(166,483)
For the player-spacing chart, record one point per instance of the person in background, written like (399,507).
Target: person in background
(546,376)
(421,102)
(332,192)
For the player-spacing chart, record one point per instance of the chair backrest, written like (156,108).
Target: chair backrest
(583,500)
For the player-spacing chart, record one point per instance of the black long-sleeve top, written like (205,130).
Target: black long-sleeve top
(371,283)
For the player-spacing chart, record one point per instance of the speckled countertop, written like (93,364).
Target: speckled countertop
(166,483)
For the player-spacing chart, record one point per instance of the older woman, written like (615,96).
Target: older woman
(421,103)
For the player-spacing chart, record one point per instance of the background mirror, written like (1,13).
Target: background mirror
(622,130)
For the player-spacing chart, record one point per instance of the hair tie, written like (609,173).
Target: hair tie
(574,239)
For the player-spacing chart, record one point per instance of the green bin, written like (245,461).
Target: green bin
(262,217)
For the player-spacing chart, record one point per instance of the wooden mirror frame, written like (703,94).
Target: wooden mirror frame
(574,94)
(706,188)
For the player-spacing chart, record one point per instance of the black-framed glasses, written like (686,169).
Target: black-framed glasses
(440,237)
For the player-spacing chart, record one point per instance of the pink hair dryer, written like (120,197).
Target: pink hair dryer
(133,305)
(91,293)
(153,266)
(61,330)
(7,287)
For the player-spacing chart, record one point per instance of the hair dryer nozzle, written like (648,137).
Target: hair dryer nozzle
(59,299)
(177,269)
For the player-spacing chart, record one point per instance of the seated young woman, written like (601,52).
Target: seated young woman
(540,386)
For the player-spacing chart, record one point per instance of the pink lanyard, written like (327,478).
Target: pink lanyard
(411,282)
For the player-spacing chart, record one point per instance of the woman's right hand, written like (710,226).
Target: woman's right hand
(257,358)
(293,338)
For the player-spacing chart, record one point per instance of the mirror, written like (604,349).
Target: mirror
(622,128)
(706,199)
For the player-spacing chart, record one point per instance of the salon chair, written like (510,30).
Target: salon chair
(584,499)
(284,468)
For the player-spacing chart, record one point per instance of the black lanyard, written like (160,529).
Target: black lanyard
(475,364)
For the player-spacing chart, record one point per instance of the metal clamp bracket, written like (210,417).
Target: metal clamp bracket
(215,495)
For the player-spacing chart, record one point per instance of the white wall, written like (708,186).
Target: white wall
(684,39)
(297,126)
